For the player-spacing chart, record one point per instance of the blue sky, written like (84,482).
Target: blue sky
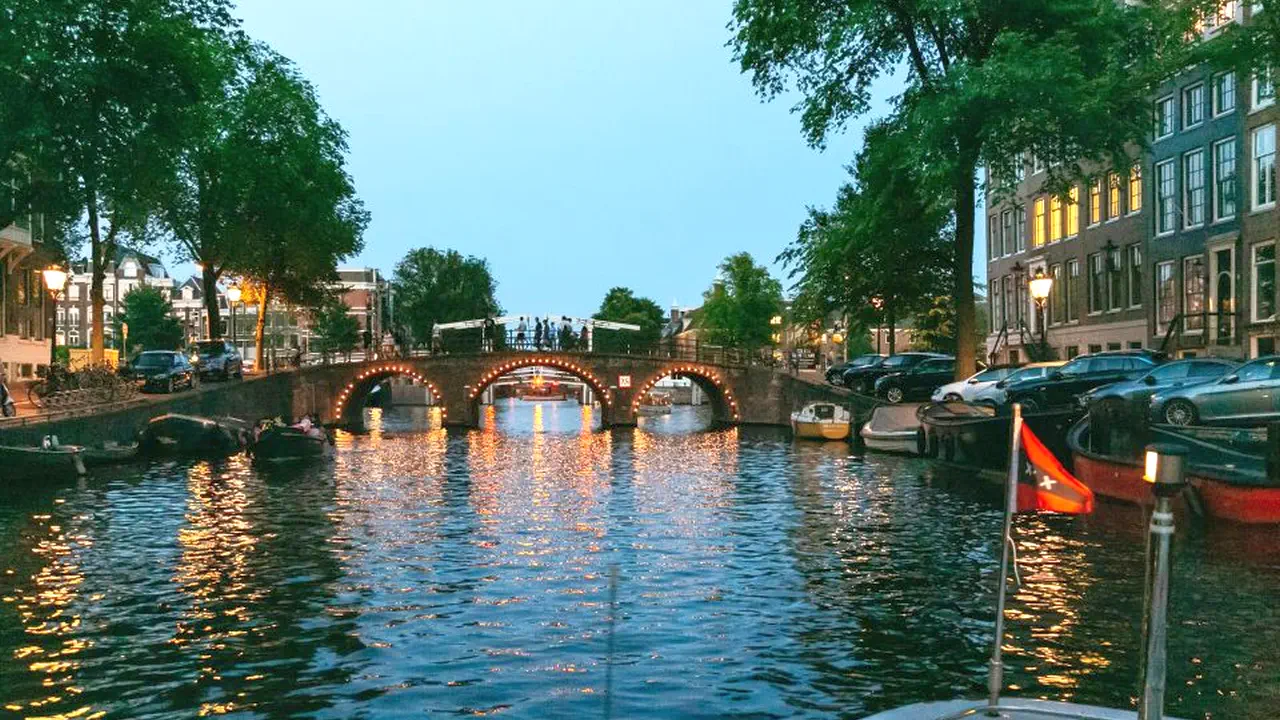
(575,144)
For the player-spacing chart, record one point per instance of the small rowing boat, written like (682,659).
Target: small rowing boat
(277,442)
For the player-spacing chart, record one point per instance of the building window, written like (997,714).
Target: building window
(1193,188)
(1193,106)
(1264,282)
(1006,232)
(1113,196)
(1020,228)
(1166,295)
(1020,169)
(1164,117)
(1135,189)
(1194,285)
(1073,289)
(993,238)
(1095,348)
(1008,298)
(1072,351)
(1058,296)
(1097,283)
(1135,275)
(1020,299)
(1223,292)
(1115,279)
(1264,166)
(1037,230)
(1037,164)
(1055,219)
(1073,212)
(1224,179)
(1224,93)
(1095,202)
(1166,205)
(1264,90)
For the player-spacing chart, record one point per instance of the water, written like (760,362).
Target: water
(428,573)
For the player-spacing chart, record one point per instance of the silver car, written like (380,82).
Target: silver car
(995,395)
(1248,396)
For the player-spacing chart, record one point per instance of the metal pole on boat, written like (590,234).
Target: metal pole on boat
(1164,469)
(995,680)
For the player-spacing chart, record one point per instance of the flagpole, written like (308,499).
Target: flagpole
(995,680)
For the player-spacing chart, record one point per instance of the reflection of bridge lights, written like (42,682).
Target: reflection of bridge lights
(691,370)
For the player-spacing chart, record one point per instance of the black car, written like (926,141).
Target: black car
(163,370)
(835,373)
(920,381)
(217,358)
(1062,386)
(1171,375)
(863,379)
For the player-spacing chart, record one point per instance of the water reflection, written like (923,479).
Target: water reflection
(426,571)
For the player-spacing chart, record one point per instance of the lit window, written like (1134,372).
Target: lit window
(1193,200)
(1095,202)
(1055,219)
(1264,282)
(1073,212)
(1166,203)
(1113,196)
(1224,179)
(1224,93)
(1193,106)
(1264,166)
(1037,230)
(1135,189)
(1194,286)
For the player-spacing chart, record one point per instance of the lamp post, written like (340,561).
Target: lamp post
(233,297)
(1040,287)
(55,278)
(877,302)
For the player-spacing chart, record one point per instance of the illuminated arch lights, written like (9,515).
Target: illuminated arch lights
(691,370)
(387,370)
(582,372)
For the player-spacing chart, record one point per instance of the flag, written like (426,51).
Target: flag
(1045,485)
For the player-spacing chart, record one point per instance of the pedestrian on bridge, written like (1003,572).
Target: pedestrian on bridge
(521,329)
(537,333)
(553,340)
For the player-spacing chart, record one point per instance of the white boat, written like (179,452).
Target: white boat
(655,404)
(1008,709)
(821,421)
(892,428)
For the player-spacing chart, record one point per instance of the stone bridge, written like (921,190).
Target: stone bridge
(739,394)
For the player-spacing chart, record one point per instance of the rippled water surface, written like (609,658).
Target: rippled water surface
(542,568)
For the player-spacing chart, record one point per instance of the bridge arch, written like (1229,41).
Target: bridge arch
(564,364)
(351,398)
(709,380)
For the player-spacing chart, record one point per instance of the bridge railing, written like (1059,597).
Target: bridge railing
(474,344)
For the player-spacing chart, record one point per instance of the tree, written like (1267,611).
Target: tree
(738,308)
(1064,79)
(620,304)
(334,329)
(885,248)
(149,315)
(433,286)
(101,82)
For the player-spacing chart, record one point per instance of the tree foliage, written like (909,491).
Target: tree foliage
(334,329)
(1064,79)
(620,304)
(738,308)
(882,251)
(152,325)
(433,286)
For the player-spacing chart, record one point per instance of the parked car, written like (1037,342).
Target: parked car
(1061,386)
(1172,375)
(835,373)
(918,382)
(968,388)
(863,379)
(217,358)
(996,394)
(1248,395)
(163,370)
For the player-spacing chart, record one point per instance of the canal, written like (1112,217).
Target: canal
(542,568)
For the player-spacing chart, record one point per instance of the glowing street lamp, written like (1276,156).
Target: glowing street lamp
(233,297)
(55,279)
(1041,285)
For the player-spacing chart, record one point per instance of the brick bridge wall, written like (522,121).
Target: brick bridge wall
(738,394)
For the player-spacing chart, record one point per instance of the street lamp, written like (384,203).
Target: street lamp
(233,297)
(877,302)
(55,278)
(1041,285)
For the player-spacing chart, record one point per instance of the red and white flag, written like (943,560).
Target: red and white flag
(1045,485)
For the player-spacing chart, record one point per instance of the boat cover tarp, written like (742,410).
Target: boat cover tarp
(892,419)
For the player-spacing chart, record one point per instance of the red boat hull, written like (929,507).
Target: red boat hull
(1234,503)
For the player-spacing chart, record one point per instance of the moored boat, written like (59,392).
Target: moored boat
(978,435)
(821,421)
(109,454)
(277,442)
(1227,483)
(892,428)
(192,435)
(35,463)
(654,404)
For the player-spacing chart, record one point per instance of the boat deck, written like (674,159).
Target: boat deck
(1010,709)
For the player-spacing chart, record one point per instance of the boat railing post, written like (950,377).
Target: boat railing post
(995,678)
(1164,469)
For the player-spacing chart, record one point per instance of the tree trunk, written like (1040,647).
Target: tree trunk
(209,286)
(98,271)
(893,333)
(259,330)
(966,328)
